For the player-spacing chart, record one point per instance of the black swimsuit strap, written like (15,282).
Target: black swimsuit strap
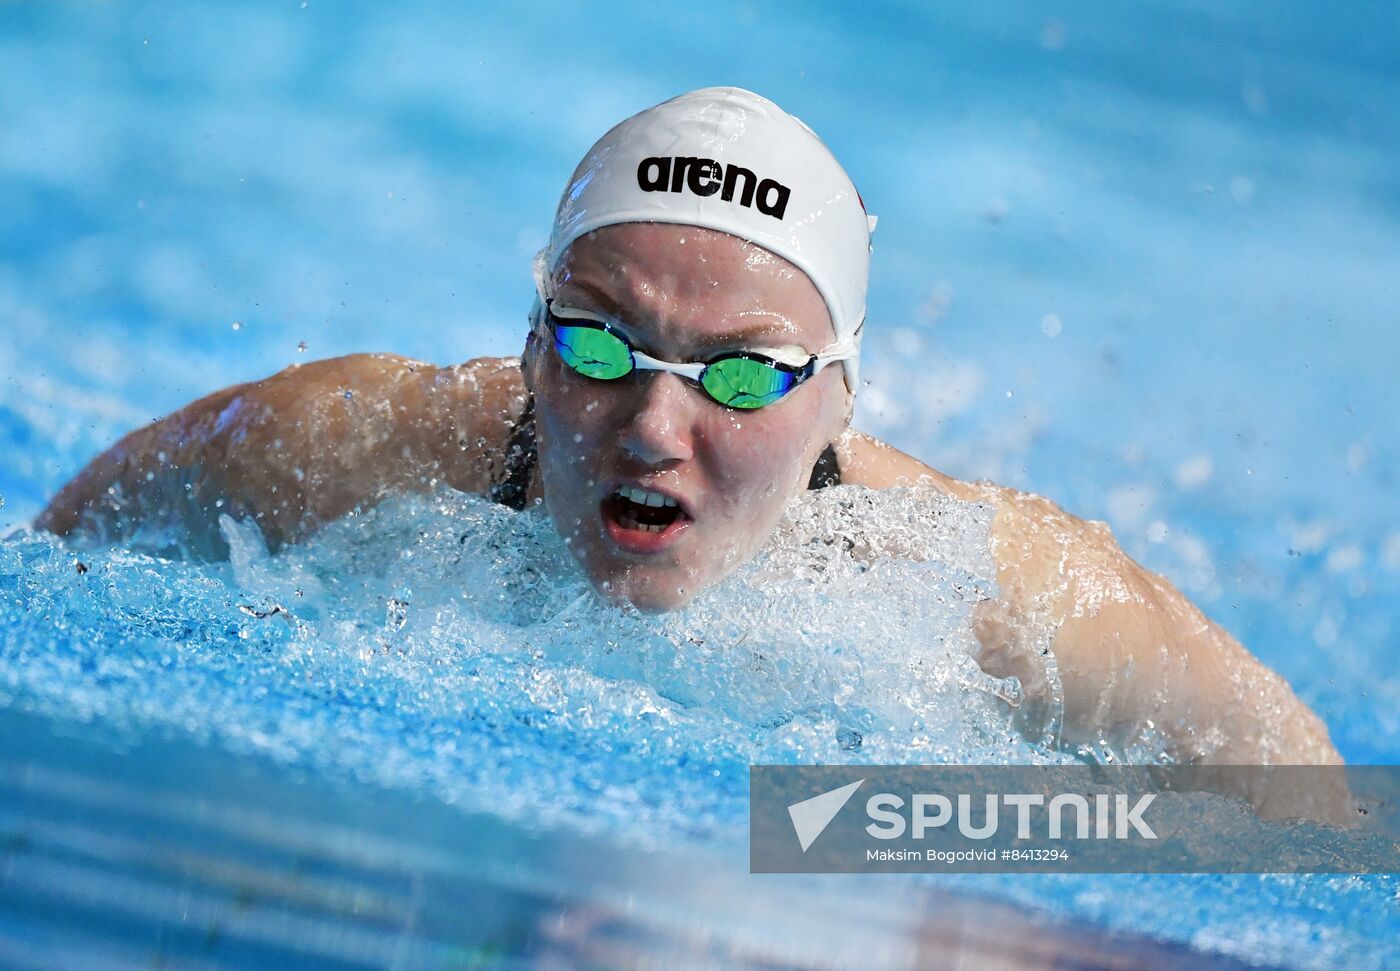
(521,458)
(827,471)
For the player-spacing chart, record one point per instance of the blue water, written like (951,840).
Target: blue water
(1149,258)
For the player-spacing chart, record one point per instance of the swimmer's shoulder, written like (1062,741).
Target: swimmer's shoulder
(1030,533)
(487,389)
(867,461)
(449,424)
(466,402)
(479,402)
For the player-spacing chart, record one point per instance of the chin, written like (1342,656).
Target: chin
(652,595)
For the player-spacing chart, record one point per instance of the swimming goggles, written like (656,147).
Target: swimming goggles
(590,345)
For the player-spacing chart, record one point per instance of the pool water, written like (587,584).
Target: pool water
(1153,284)
(449,649)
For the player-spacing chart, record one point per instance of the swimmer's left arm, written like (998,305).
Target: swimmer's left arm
(1139,662)
(1134,654)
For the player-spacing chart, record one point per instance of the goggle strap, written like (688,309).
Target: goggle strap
(544,288)
(843,353)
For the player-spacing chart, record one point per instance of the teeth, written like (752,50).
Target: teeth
(644,497)
(629,523)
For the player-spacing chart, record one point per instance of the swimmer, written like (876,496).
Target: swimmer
(690,367)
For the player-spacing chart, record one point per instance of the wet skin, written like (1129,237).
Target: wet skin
(680,294)
(295,450)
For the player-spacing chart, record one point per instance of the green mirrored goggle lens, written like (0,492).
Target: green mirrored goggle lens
(593,352)
(736,382)
(740,382)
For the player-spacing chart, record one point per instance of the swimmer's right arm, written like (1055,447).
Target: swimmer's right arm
(297,449)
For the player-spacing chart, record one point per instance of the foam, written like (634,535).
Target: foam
(445,616)
(450,647)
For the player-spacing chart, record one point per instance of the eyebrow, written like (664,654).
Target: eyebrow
(752,336)
(605,301)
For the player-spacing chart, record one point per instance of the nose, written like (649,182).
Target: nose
(659,430)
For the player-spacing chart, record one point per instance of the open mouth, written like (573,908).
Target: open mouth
(642,520)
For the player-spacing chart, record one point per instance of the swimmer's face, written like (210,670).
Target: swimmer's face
(680,294)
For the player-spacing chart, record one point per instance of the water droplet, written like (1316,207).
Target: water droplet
(1241,190)
(1052,35)
(1195,471)
(395,615)
(238,325)
(1358,456)
(1254,98)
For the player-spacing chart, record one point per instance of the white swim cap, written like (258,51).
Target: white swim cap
(728,159)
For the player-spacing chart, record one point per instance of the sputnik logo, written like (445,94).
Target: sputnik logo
(811,816)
